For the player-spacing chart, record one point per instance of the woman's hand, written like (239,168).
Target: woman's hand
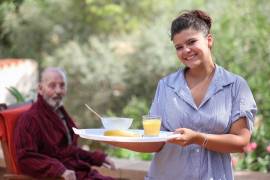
(186,137)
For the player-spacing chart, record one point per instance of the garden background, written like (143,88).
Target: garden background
(115,51)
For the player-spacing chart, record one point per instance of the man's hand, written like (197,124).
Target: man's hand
(69,175)
(109,163)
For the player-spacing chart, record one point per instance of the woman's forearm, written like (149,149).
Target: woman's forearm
(147,147)
(225,143)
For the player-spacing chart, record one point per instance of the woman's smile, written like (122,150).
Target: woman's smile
(190,57)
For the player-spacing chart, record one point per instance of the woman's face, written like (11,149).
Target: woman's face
(193,48)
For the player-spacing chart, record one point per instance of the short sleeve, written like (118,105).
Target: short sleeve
(244,104)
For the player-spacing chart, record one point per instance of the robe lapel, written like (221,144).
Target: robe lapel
(50,115)
(70,124)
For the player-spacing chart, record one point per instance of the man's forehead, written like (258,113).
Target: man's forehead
(52,76)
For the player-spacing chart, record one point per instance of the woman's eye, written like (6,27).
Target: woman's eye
(179,48)
(191,42)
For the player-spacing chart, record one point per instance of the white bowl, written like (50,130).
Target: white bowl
(116,122)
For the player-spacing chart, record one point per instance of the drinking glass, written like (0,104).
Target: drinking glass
(151,125)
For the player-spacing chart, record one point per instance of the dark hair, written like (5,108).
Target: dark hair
(195,19)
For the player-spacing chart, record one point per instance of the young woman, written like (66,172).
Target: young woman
(210,108)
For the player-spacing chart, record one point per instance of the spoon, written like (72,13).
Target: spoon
(93,111)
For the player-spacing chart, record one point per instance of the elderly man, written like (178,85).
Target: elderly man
(45,143)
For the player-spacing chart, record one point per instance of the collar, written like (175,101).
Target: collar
(221,78)
(178,82)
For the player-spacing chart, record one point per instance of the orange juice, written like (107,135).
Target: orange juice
(151,126)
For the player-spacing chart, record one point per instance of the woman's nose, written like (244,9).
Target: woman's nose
(186,49)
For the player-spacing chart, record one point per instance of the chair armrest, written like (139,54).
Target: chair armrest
(25,177)
(17,176)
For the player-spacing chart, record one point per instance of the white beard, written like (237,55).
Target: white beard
(53,103)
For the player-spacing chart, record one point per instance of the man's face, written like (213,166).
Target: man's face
(53,88)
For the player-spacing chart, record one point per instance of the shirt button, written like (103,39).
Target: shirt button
(197,150)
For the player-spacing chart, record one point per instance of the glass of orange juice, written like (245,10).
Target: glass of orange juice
(151,125)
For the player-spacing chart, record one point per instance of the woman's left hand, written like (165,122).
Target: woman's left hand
(186,137)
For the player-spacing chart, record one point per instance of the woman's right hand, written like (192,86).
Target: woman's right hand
(186,137)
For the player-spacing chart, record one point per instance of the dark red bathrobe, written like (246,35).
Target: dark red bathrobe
(42,148)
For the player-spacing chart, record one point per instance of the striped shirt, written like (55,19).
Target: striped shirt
(228,98)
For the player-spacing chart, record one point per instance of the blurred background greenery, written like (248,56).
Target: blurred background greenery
(115,51)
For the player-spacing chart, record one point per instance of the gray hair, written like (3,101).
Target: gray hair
(59,70)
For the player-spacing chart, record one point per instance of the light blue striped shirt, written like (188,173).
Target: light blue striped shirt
(228,98)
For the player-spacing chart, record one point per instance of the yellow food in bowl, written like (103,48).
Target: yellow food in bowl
(123,133)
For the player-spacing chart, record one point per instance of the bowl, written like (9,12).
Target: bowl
(116,122)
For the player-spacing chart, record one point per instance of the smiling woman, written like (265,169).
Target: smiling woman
(210,108)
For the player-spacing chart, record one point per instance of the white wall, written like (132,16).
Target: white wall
(20,73)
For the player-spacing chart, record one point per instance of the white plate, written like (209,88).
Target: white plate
(97,134)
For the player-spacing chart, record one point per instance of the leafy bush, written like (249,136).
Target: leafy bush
(256,156)
(124,153)
(135,109)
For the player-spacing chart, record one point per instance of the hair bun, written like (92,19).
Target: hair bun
(195,19)
(203,16)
